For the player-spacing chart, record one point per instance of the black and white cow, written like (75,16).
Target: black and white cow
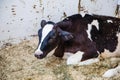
(80,39)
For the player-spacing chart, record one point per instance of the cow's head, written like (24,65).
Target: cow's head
(49,36)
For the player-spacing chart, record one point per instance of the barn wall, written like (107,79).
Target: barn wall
(20,19)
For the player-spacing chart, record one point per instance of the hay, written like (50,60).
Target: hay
(17,62)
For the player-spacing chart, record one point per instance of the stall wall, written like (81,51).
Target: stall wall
(20,19)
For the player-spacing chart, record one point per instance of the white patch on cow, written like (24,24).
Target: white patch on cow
(118,46)
(82,14)
(67,55)
(89,30)
(109,21)
(89,61)
(47,28)
(107,53)
(112,72)
(75,58)
(95,23)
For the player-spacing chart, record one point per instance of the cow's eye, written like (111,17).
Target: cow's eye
(53,37)
(50,40)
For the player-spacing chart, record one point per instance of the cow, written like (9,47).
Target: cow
(81,39)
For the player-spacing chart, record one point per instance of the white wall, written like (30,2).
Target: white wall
(21,18)
(102,7)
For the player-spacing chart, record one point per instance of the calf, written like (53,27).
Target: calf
(67,37)
(80,38)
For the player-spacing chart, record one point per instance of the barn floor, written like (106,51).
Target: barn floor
(17,62)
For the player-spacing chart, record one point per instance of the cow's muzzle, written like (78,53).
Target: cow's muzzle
(39,55)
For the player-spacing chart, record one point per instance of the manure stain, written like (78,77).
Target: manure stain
(13,11)
(34,6)
(92,0)
(64,14)
(40,2)
(79,6)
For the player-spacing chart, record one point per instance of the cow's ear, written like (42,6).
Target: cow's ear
(66,35)
(43,23)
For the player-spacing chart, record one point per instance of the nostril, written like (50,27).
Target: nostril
(36,55)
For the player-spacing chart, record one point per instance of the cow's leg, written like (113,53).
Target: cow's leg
(67,55)
(115,71)
(112,72)
(89,61)
(115,60)
(108,54)
(76,58)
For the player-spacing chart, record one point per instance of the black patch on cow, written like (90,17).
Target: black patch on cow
(80,42)
(59,52)
(106,36)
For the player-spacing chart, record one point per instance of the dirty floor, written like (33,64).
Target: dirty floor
(17,62)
